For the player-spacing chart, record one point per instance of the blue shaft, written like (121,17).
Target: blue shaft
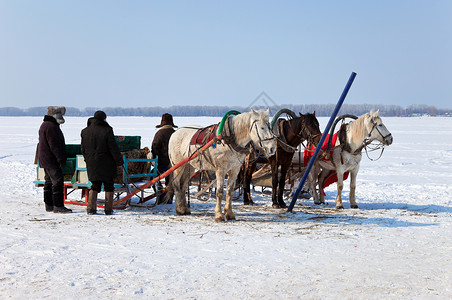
(322,140)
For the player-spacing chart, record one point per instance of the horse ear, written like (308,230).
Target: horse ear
(252,110)
(376,113)
(313,113)
(268,111)
(371,112)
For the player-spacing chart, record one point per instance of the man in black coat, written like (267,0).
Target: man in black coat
(159,148)
(102,156)
(52,158)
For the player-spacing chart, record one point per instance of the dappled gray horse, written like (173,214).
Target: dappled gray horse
(246,131)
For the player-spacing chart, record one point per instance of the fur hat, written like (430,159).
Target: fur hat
(167,119)
(100,115)
(57,112)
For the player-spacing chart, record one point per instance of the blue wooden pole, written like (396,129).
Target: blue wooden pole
(322,140)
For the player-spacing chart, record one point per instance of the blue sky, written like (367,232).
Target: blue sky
(162,53)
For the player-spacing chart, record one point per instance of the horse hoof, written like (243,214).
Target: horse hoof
(340,207)
(219,217)
(354,206)
(229,217)
(276,206)
(282,205)
(183,212)
(248,203)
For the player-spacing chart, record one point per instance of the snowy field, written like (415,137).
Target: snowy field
(396,246)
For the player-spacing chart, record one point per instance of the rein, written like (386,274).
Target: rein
(375,149)
(380,146)
(366,143)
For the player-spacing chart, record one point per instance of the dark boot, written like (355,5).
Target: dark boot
(109,203)
(91,207)
(58,203)
(61,210)
(48,198)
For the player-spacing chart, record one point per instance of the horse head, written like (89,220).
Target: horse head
(310,128)
(377,130)
(261,135)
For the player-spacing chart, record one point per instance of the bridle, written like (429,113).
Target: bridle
(367,141)
(376,126)
(304,134)
(261,140)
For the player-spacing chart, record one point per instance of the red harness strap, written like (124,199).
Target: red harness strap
(332,176)
(204,135)
(310,151)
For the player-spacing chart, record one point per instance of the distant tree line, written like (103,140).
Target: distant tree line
(321,110)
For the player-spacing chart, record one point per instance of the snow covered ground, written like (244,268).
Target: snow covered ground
(397,245)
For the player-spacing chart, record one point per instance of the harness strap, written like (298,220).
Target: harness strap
(342,134)
(282,139)
(229,138)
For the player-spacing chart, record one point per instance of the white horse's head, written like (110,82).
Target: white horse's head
(377,130)
(260,133)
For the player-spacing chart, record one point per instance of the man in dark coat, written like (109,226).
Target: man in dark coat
(102,156)
(160,148)
(52,158)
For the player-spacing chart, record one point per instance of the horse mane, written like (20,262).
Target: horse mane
(241,125)
(295,122)
(306,119)
(358,130)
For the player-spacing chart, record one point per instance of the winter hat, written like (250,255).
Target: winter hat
(167,119)
(57,112)
(100,115)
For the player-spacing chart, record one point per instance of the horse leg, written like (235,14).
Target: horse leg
(274,168)
(247,176)
(228,214)
(282,183)
(353,175)
(322,177)
(340,187)
(179,184)
(313,178)
(219,217)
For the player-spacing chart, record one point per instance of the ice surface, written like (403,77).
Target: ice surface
(397,245)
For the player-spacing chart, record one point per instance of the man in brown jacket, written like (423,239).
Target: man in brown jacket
(160,148)
(52,158)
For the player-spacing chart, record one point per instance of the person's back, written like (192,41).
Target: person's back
(100,150)
(160,148)
(102,156)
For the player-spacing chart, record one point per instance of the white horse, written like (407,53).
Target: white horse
(347,156)
(241,133)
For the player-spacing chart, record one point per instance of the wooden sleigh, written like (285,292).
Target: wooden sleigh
(137,168)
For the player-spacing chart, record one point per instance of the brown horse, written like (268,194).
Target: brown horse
(290,133)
